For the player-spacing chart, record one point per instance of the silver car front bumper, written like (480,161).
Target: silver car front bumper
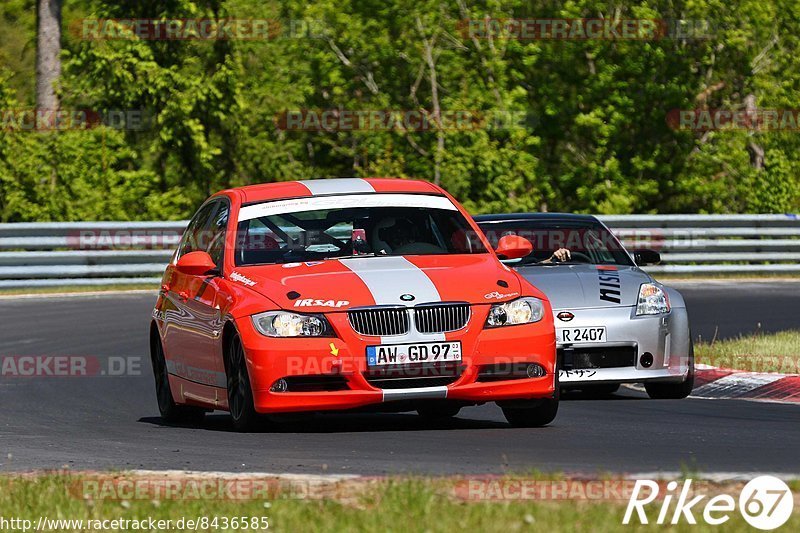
(632,341)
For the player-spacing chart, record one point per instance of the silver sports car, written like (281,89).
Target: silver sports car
(614,322)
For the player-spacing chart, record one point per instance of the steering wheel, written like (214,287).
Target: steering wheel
(578,257)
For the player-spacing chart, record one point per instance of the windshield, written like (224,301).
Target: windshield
(346,226)
(588,242)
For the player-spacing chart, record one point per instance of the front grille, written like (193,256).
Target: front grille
(597,357)
(380,321)
(425,375)
(428,318)
(441,318)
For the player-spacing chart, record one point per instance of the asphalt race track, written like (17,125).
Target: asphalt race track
(112,422)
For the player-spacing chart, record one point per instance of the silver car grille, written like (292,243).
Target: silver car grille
(391,321)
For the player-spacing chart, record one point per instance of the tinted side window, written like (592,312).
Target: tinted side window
(216,233)
(193,238)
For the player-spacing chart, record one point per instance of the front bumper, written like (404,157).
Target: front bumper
(662,339)
(342,362)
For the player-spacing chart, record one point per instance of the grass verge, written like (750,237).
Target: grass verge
(772,352)
(399,504)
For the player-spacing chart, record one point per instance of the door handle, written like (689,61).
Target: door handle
(165,288)
(183,295)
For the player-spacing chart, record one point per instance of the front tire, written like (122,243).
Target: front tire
(674,391)
(540,413)
(170,411)
(240,393)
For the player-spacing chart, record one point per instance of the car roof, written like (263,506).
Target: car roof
(549,217)
(321,187)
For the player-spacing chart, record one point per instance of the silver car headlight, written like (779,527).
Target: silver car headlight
(652,300)
(520,311)
(286,324)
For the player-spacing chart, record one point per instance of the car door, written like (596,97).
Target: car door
(204,305)
(192,316)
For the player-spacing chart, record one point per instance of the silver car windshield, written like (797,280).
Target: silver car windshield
(588,242)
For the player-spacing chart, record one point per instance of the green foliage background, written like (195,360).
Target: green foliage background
(597,139)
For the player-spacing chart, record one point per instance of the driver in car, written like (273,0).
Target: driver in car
(560,255)
(402,235)
(392,233)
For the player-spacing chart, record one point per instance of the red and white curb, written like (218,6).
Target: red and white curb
(724,383)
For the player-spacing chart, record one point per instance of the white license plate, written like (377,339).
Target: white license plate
(574,335)
(402,354)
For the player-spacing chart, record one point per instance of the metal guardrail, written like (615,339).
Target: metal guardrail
(48,254)
(714,244)
(113,253)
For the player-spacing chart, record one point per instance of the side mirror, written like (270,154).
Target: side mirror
(646,257)
(196,264)
(513,247)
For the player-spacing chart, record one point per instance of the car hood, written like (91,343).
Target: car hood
(324,286)
(582,286)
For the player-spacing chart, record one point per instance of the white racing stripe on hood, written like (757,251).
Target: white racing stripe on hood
(389,277)
(337,186)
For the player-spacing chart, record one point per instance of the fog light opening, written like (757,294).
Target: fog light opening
(535,371)
(646,360)
(280,386)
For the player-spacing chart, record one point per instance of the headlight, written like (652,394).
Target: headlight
(285,324)
(519,311)
(652,300)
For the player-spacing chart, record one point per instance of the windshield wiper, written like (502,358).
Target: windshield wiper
(353,256)
(542,263)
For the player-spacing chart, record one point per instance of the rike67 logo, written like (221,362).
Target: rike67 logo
(765,503)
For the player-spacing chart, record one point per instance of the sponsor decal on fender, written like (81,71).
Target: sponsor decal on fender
(499,295)
(235,276)
(310,302)
(610,284)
